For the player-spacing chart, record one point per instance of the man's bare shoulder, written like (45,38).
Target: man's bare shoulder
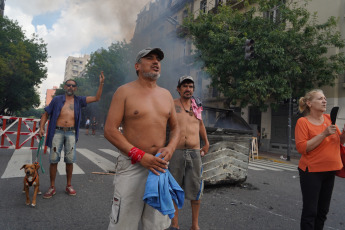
(164,91)
(176,100)
(125,89)
(128,85)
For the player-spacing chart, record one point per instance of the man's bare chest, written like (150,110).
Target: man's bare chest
(147,107)
(67,109)
(187,119)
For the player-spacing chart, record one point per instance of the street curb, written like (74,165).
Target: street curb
(274,160)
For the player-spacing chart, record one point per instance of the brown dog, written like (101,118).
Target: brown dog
(31,179)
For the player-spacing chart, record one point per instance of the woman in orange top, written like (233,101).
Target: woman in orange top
(318,141)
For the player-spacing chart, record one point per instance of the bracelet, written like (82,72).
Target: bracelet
(136,154)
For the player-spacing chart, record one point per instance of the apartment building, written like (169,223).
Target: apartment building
(75,66)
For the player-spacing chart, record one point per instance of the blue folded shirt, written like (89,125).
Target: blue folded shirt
(161,191)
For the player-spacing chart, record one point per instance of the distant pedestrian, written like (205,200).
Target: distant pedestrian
(259,136)
(94,125)
(319,143)
(87,126)
(65,116)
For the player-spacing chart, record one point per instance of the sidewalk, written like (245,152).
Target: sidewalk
(277,157)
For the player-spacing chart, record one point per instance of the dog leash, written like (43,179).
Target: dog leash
(38,154)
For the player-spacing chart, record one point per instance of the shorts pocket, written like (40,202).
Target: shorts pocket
(122,163)
(115,210)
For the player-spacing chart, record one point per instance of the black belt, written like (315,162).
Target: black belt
(65,128)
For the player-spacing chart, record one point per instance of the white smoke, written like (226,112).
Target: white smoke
(80,24)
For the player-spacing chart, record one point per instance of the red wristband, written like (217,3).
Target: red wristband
(136,154)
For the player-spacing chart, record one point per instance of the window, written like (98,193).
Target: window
(203,6)
(219,2)
(274,13)
(185,14)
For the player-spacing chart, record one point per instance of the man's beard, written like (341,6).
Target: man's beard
(152,76)
(185,96)
(69,92)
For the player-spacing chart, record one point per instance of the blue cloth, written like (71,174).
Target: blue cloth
(54,109)
(161,191)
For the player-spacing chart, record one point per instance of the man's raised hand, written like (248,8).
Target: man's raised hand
(101,78)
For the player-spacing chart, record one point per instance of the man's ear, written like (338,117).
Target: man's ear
(178,89)
(136,66)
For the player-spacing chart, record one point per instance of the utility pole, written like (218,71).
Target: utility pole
(2,7)
(289,131)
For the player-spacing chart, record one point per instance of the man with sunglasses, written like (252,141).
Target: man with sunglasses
(63,131)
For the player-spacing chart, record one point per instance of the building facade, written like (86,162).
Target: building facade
(159,25)
(49,95)
(156,26)
(75,66)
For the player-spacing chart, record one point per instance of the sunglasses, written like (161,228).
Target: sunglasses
(69,85)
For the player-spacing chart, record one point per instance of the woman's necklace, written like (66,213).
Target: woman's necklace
(190,110)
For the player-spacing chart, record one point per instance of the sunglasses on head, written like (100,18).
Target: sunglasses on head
(69,85)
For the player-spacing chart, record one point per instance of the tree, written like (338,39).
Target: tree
(290,51)
(116,63)
(22,65)
(30,113)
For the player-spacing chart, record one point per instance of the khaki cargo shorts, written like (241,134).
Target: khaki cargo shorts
(129,211)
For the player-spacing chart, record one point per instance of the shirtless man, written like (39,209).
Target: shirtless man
(143,109)
(65,116)
(186,165)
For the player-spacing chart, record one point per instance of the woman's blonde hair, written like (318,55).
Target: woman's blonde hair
(302,104)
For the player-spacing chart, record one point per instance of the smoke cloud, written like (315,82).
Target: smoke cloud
(74,27)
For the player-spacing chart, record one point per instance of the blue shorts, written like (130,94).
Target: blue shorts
(67,140)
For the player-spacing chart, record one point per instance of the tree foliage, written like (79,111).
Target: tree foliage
(30,113)
(22,67)
(116,64)
(291,51)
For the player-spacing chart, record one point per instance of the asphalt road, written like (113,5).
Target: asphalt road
(267,200)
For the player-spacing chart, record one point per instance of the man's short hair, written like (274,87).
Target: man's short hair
(71,80)
(147,51)
(183,79)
